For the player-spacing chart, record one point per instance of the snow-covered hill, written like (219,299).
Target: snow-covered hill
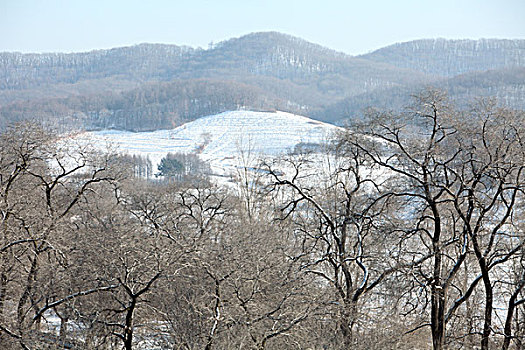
(220,139)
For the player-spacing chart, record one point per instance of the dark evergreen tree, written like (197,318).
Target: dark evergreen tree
(170,167)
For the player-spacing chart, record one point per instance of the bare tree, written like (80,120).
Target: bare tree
(344,232)
(43,181)
(461,181)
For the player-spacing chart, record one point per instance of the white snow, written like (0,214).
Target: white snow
(219,139)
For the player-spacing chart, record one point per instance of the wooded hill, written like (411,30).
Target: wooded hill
(152,86)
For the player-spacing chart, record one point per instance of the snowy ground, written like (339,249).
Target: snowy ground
(220,139)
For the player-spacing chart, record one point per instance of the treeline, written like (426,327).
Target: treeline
(298,74)
(409,236)
(151,107)
(506,85)
(449,58)
(141,62)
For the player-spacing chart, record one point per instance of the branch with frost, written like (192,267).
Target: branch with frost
(48,305)
(20,241)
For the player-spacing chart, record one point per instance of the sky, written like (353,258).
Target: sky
(353,27)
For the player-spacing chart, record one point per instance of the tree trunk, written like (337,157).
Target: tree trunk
(346,324)
(438,292)
(63,330)
(438,318)
(128,330)
(3,293)
(487,323)
(510,315)
(489,298)
(508,326)
(217,314)
(31,276)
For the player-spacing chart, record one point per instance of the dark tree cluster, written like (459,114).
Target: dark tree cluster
(183,167)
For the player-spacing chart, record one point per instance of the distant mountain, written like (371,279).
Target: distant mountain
(152,86)
(136,63)
(506,85)
(265,54)
(452,57)
(242,59)
(288,58)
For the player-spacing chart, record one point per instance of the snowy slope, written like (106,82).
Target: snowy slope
(219,139)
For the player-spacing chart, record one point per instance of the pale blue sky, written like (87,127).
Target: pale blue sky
(350,26)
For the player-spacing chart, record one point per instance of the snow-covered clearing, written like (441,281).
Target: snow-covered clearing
(222,139)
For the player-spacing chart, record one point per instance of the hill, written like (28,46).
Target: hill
(452,57)
(506,85)
(154,86)
(220,139)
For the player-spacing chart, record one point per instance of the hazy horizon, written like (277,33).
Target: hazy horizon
(350,27)
(269,31)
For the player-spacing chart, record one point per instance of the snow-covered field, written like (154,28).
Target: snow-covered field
(220,139)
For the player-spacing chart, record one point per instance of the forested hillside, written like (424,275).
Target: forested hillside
(151,86)
(506,86)
(141,62)
(452,57)
(149,107)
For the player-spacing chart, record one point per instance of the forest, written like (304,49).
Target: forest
(152,86)
(410,236)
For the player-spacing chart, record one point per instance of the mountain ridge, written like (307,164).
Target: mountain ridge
(264,70)
(466,54)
